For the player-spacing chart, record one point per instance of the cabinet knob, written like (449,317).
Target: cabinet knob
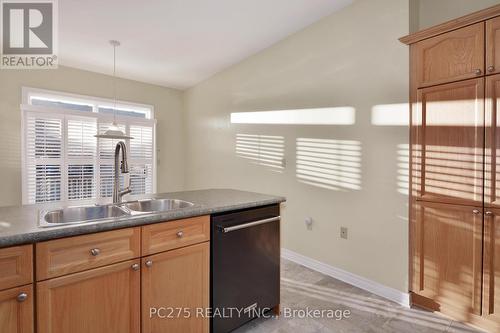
(22,297)
(478,72)
(476,211)
(491,69)
(135,267)
(488,213)
(149,263)
(95,252)
(180,234)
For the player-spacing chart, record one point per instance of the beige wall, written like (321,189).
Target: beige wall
(431,12)
(351,58)
(167,104)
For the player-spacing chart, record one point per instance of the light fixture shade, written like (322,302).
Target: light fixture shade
(113,132)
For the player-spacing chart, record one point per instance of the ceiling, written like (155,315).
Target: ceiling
(177,43)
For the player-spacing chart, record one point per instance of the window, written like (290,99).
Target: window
(64,161)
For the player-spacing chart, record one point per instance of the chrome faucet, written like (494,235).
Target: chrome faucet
(117,194)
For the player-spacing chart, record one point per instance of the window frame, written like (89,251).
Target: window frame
(95,102)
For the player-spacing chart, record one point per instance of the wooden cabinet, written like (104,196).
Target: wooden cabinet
(16,266)
(493,46)
(93,283)
(491,292)
(447,163)
(453,56)
(454,143)
(447,257)
(103,292)
(176,284)
(492,143)
(101,300)
(16,310)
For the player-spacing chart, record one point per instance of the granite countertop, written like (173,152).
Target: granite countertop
(19,224)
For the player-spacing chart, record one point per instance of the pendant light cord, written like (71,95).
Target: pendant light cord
(114,83)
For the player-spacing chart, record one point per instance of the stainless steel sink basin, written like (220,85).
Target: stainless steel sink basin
(157,205)
(95,214)
(73,215)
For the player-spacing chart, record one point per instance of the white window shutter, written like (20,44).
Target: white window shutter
(80,155)
(64,161)
(141,147)
(141,159)
(43,158)
(81,138)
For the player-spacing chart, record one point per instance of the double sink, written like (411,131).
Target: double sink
(102,213)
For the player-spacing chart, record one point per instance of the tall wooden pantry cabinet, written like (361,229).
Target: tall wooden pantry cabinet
(455,171)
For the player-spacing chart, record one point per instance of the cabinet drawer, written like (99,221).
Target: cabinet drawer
(73,254)
(16,266)
(174,234)
(453,56)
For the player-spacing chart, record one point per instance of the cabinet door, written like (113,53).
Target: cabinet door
(492,143)
(447,157)
(493,46)
(175,284)
(101,300)
(446,257)
(491,303)
(453,56)
(16,310)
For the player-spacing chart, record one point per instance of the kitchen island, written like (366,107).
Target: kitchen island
(136,273)
(20,224)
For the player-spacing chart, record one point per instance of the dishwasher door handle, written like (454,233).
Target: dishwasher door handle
(250,224)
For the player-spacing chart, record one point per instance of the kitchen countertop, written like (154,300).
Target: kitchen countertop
(19,224)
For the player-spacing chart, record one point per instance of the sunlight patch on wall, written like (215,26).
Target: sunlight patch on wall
(265,150)
(391,115)
(329,164)
(318,116)
(403,167)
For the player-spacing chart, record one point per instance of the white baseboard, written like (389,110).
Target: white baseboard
(376,288)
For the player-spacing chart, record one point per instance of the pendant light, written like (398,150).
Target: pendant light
(114,132)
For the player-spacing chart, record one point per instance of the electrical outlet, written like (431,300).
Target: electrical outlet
(343,232)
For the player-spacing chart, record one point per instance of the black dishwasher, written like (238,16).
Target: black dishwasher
(245,259)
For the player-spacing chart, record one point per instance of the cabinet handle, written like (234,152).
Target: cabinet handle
(478,72)
(22,297)
(95,252)
(491,69)
(180,234)
(149,263)
(488,213)
(135,267)
(475,211)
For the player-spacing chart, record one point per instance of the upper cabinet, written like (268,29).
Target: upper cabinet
(447,164)
(492,143)
(449,57)
(493,46)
